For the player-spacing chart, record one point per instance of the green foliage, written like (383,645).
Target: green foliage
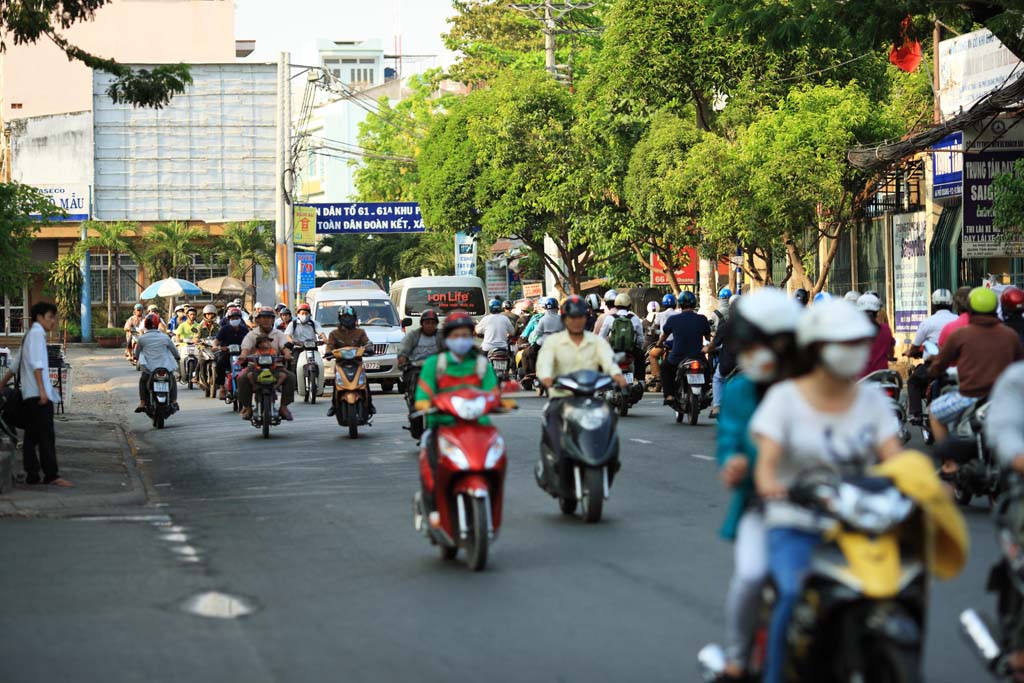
(28,21)
(107,332)
(65,284)
(17,230)
(490,36)
(1008,203)
(167,245)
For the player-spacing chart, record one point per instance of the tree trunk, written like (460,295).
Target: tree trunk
(706,280)
(117,287)
(110,289)
(796,263)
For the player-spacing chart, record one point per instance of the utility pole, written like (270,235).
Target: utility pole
(281,237)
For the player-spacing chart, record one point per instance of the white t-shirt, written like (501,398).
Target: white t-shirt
(843,442)
(659,321)
(931,328)
(496,328)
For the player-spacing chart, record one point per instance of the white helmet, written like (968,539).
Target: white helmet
(942,297)
(836,320)
(623,301)
(258,306)
(594,301)
(609,296)
(852,296)
(770,311)
(869,303)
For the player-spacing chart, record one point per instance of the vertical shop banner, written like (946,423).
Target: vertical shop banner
(948,166)
(987,154)
(497,278)
(304,222)
(910,270)
(465,254)
(305,269)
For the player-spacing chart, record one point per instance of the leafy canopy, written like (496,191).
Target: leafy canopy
(18,229)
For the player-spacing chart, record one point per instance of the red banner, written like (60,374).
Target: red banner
(687,274)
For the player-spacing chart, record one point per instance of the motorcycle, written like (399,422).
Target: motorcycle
(977,473)
(309,370)
(693,391)
(470,479)
(891,383)
(207,368)
(351,390)
(410,379)
(862,611)
(189,364)
(131,351)
(500,360)
(266,399)
(588,445)
(996,646)
(231,377)
(621,400)
(158,407)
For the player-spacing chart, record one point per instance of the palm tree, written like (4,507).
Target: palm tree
(167,246)
(112,238)
(247,246)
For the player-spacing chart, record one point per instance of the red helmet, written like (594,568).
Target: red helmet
(428,314)
(1012,300)
(152,321)
(457,319)
(302,307)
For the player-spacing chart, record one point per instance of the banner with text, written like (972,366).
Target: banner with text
(304,225)
(910,270)
(305,269)
(497,278)
(73,198)
(465,254)
(988,153)
(368,218)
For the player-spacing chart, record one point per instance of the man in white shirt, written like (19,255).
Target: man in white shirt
(495,328)
(39,447)
(929,331)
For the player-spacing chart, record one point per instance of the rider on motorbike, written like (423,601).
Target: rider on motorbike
(304,328)
(549,324)
(883,343)
(929,330)
(609,309)
(668,306)
(688,331)
(284,319)
(348,333)
(265,328)
(722,345)
(622,305)
(763,329)
(962,308)
(186,330)
(566,352)
(822,420)
(495,328)
(1012,303)
(460,366)
(205,329)
(177,318)
(231,333)
(423,342)
(134,325)
(155,350)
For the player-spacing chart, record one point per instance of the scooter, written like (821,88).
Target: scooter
(410,379)
(500,360)
(309,370)
(891,383)
(693,391)
(351,390)
(207,368)
(131,351)
(158,407)
(862,613)
(266,399)
(997,645)
(978,473)
(580,469)
(231,378)
(621,400)
(470,480)
(189,365)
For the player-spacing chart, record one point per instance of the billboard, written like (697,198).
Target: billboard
(208,155)
(970,67)
(305,269)
(948,166)
(465,254)
(304,225)
(989,153)
(73,198)
(367,217)
(910,270)
(497,278)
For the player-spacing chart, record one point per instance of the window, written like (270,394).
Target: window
(129,287)
(201,267)
(350,61)
(361,76)
(445,299)
(370,313)
(12,313)
(367,61)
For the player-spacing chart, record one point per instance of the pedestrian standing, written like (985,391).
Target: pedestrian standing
(39,447)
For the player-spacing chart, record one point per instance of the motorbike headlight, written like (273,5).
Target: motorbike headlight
(872,512)
(449,450)
(469,409)
(495,452)
(589,417)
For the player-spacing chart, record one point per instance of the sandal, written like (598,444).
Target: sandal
(60,482)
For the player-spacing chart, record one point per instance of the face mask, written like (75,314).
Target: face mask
(235,322)
(758,364)
(303,318)
(845,361)
(460,346)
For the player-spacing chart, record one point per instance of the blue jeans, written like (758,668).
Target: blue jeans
(717,382)
(789,557)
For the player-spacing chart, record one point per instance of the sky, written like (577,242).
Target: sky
(296,25)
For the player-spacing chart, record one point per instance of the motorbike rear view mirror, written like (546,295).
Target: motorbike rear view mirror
(406,322)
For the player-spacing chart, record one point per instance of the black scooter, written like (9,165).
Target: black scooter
(693,390)
(410,379)
(588,450)
(159,407)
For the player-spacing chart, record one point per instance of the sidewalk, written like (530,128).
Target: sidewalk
(92,448)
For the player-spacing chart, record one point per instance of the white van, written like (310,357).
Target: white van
(377,316)
(442,294)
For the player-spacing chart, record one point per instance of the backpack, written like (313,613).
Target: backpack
(623,336)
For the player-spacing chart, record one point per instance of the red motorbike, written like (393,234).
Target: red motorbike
(470,480)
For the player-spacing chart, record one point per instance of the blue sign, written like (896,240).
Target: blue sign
(948,166)
(305,270)
(373,218)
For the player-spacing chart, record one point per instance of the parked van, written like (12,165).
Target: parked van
(442,294)
(376,314)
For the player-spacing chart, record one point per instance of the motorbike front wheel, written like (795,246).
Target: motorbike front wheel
(593,494)
(476,543)
(266,413)
(190,371)
(694,410)
(623,405)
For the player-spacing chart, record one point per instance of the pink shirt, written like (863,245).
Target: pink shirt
(881,349)
(962,321)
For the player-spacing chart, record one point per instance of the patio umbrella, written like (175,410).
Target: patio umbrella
(170,287)
(227,286)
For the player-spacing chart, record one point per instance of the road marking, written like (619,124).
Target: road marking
(643,441)
(701,457)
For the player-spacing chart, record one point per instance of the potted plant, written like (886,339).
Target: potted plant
(109,337)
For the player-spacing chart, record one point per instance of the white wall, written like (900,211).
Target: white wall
(53,149)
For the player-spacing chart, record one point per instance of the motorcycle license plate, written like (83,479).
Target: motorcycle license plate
(161,386)
(500,365)
(371,366)
(310,357)
(695,378)
(629,377)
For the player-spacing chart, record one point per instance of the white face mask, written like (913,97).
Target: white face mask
(758,364)
(303,318)
(234,322)
(844,360)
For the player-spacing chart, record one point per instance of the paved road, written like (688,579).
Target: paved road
(315,531)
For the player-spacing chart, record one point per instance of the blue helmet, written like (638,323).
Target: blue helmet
(724,293)
(494,306)
(668,301)
(822,296)
(551,304)
(687,300)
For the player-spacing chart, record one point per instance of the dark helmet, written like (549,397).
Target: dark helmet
(285,311)
(456,320)
(347,317)
(687,300)
(551,304)
(265,312)
(802,296)
(574,307)
(494,306)
(1012,300)
(152,321)
(507,305)
(668,301)
(279,307)
(428,314)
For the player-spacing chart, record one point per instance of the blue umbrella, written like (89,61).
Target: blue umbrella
(172,286)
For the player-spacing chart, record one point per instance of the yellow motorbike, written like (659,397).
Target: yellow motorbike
(351,389)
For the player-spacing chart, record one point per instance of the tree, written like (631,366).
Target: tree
(246,246)
(113,239)
(65,284)
(1008,204)
(490,36)
(28,21)
(167,245)
(18,203)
